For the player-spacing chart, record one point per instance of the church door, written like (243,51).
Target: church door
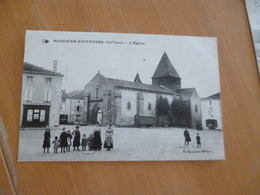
(99,116)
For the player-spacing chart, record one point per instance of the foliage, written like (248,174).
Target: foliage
(137,79)
(179,110)
(162,108)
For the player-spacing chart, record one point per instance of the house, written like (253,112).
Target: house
(211,112)
(65,108)
(76,106)
(41,97)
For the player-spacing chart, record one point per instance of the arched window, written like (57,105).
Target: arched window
(128,106)
(210,102)
(97,93)
(149,106)
(196,108)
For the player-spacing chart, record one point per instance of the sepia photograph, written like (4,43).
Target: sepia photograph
(89,96)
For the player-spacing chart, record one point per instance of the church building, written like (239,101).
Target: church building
(115,101)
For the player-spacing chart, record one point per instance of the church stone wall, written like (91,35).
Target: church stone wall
(195,106)
(128,107)
(149,110)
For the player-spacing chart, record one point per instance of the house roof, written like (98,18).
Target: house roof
(139,86)
(165,68)
(212,97)
(64,95)
(77,94)
(185,93)
(32,69)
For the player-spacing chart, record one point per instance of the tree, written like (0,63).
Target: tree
(180,111)
(137,79)
(162,108)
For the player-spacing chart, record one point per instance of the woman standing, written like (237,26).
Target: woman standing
(46,141)
(63,140)
(97,139)
(76,141)
(109,140)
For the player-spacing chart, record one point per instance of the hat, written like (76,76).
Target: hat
(77,127)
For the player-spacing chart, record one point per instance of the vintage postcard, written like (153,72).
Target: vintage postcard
(120,97)
(253,12)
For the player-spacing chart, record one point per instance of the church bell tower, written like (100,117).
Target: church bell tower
(165,75)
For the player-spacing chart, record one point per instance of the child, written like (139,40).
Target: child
(69,141)
(84,142)
(56,145)
(90,141)
(198,141)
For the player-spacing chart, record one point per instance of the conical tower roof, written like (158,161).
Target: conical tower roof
(165,68)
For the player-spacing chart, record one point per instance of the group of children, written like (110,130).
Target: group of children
(86,141)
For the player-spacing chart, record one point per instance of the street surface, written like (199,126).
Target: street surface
(130,144)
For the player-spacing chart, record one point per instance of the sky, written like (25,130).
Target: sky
(80,55)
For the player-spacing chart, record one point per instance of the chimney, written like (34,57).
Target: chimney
(55,64)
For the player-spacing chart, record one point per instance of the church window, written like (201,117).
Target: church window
(196,108)
(210,102)
(149,106)
(97,93)
(128,106)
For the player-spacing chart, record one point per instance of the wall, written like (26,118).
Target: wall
(127,113)
(38,88)
(216,108)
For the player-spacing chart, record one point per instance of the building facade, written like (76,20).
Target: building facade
(211,112)
(109,100)
(41,97)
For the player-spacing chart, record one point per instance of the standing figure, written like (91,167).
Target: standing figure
(56,145)
(47,140)
(69,137)
(187,137)
(76,141)
(90,141)
(63,140)
(198,141)
(108,143)
(84,142)
(97,139)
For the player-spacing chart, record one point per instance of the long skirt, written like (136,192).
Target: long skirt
(46,144)
(76,141)
(108,142)
(97,141)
